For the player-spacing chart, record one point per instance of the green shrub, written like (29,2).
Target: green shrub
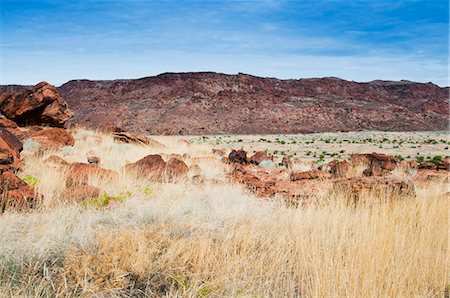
(33,181)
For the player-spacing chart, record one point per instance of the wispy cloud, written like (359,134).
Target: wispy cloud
(357,40)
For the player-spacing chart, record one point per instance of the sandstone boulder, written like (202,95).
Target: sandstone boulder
(175,170)
(258,157)
(40,105)
(151,167)
(238,156)
(338,169)
(15,193)
(10,148)
(52,138)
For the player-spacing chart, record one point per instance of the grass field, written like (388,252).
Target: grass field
(216,239)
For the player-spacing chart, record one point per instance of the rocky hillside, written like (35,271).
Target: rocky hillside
(211,103)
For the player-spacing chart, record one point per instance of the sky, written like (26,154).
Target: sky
(57,41)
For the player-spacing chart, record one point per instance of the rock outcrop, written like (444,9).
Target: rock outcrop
(211,103)
(40,105)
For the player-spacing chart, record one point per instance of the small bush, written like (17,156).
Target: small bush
(33,181)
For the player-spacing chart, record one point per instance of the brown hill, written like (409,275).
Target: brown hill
(211,103)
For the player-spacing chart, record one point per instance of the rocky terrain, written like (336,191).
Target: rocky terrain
(214,103)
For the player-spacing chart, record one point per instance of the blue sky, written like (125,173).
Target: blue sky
(356,40)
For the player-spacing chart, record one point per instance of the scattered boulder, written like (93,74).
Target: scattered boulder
(384,161)
(151,167)
(80,193)
(10,148)
(175,170)
(258,157)
(16,194)
(81,173)
(41,105)
(338,169)
(92,158)
(52,138)
(238,156)
(127,137)
(55,161)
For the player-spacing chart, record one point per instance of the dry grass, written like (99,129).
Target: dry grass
(217,240)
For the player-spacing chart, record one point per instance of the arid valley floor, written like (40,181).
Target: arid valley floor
(208,233)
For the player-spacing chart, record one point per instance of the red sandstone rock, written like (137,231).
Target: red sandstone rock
(41,105)
(52,138)
(339,169)
(10,148)
(55,161)
(212,103)
(259,157)
(238,156)
(15,193)
(150,167)
(175,170)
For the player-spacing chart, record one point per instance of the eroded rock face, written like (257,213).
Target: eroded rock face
(41,105)
(170,103)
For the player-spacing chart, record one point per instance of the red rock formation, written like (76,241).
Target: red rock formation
(208,103)
(40,105)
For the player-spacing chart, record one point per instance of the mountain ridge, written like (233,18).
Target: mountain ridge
(215,103)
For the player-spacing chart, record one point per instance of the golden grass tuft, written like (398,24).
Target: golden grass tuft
(216,240)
